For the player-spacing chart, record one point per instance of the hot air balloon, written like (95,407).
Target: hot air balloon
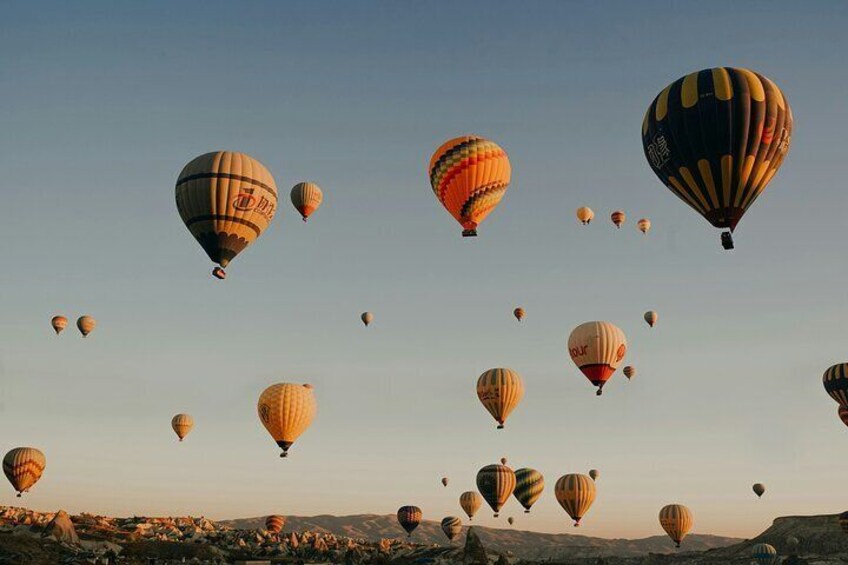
(86,325)
(618,217)
(843,414)
(444,481)
(306,198)
(651,317)
(503,460)
(836,383)
(676,520)
(23,467)
(585,215)
(529,484)
(843,521)
(226,200)
(511,520)
(409,517)
(496,483)
(59,323)
(575,493)
(716,138)
(182,425)
(367,318)
(500,391)
(594,474)
(469,176)
(470,502)
(275,523)
(518,313)
(629,372)
(764,554)
(286,410)
(759,489)
(644,225)
(452,526)
(597,348)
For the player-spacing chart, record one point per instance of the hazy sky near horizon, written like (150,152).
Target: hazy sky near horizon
(104,102)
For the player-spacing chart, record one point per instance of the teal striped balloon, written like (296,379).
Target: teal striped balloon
(529,484)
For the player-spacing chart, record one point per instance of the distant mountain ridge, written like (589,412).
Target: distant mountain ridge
(524,544)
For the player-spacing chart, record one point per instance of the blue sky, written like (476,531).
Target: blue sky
(104,102)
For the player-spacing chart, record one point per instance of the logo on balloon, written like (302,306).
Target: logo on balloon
(658,151)
(578,351)
(619,355)
(244,201)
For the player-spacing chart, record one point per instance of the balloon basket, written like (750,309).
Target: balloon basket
(727,240)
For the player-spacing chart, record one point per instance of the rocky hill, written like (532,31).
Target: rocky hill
(523,544)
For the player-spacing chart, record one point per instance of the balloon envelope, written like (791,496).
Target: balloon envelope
(518,313)
(585,215)
(469,176)
(86,325)
(765,554)
(23,466)
(597,348)
(500,391)
(644,225)
(496,483)
(716,138)
(275,523)
(835,382)
(618,217)
(651,317)
(59,323)
(306,197)
(594,474)
(286,410)
(451,526)
(575,493)
(444,481)
(409,517)
(676,520)
(367,318)
(529,484)
(182,425)
(470,502)
(629,372)
(759,489)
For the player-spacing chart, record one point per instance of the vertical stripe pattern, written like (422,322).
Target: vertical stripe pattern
(496,483)
(306,197)
(451,526)
(409,517)
(500,391)
(529,484)
(843,414)
(286,410)
(23,467)
(716,138)
(575,493)
(677,521)
(765,554)
(835,382)
(182,425)
(597,348)
(469,176)
(470,502)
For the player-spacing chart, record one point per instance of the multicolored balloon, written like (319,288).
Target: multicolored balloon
(275,523)
(182,425)
(226,200)
(529,484)
(451,526)
(23,467)
(765,554)
(575,493)
(470,502)
(618,218)
(409,517)
(677,521)
(585,215)
(629,372)
(597,348)
(500,391)
(86,325)
(59,323)
(496,483)
(716,138)
(286,411)
(306,197)
(469,176)
(835,382)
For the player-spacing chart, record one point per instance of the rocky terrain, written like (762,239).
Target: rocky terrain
(29,537)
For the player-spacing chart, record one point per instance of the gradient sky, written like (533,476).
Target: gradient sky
(104,102)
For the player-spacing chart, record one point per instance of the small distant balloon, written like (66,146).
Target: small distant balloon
(618,217)
(511,520)
(86,325)
(306,198)
(451,526)
(409,517)
(23,467)
(503,460)
(470,502)
(182,425)
(367,318)
(651,317)
(629,372)
(518,313)
(585,215)
(843,414)
(59,323)
(759,489)
(594,474)
(644,225)
(676,520)
(835,382)
(275,523)
(765,554)
(500,391)
(444,481)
